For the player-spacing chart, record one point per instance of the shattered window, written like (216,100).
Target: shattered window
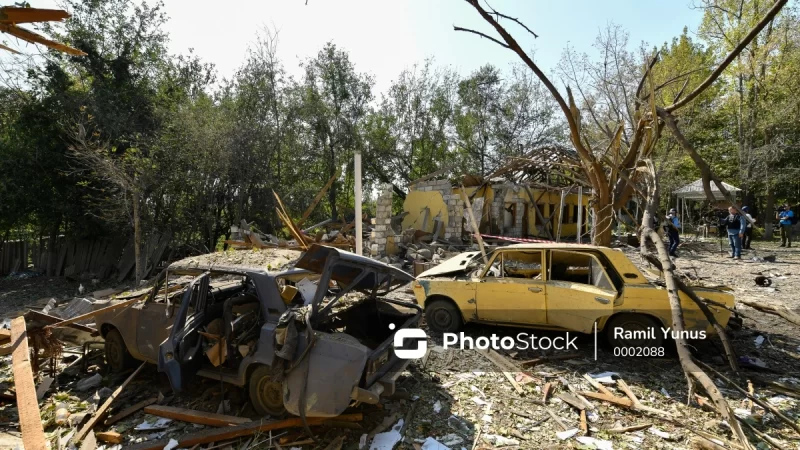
(522,264)
(578,268)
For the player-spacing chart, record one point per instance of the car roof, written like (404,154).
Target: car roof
(551,245)
(222,269)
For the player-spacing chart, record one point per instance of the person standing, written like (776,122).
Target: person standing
(786,217)
(735,223)
(748,232)
(671,227)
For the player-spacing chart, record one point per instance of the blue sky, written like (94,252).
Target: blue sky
(384,37)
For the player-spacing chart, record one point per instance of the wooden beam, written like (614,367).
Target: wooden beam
(111,437)
(129,410)
(194,416)
(30,420)
(91,314)
(10,14)
(39,316)
(247,429)
(30,36)
(317,198)
(101,411)
(473,224)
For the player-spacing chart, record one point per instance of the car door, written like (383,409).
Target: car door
(579,290)
(153,325)
(180,354)
(517,294)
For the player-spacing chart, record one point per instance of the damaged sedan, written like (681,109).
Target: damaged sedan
(310,341)
(570,287)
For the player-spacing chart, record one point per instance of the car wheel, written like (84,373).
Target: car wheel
(443,316)
(117,355)
(644,331)
(266,395)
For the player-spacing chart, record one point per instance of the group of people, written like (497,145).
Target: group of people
(739,227)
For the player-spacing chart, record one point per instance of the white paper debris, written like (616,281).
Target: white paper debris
(592,416)
(415,398)
(659,433)
(500,441)
(159,424)
(778,399)
(564,435)
(307,290)
(666,394)
(362,441)
(171,444)
(452,439)
(599,444)
(433,444)
(759,341)
(479,401)
(742,413)
(437,407)
(605,377)
(387,440)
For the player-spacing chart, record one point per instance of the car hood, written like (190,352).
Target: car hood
(317,255)
(457,264)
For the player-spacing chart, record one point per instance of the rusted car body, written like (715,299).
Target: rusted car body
(555,286)
(340,353)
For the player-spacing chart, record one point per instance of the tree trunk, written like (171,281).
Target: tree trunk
(769,210)
(137,237)
(603,221)
(690,368)
(52,253)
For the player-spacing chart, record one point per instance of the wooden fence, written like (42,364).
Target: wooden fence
(90,258)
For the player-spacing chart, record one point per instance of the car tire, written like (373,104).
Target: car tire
(442,316)
(117,355)
(634,322)
(266,395)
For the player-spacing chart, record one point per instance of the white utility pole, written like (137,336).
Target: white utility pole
(359,224)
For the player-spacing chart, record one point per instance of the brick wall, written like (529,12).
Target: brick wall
(383,220)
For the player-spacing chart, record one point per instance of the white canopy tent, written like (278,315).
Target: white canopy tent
(694,192)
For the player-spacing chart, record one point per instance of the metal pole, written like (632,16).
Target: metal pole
(580,213)
(359,224)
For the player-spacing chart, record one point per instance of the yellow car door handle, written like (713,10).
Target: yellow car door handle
(535,289)
(602,300)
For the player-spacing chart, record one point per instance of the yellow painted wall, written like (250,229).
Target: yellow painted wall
(545,199)
(415,204)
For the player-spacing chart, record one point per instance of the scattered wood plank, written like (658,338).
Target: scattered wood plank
(621,430)
(501,364)
(247,429)
(111,437)
(559,357)
(89,315)
(584,425)
(48,319)
(101,411)
(129,410)
(317,198)
(475,229)
(599,386)
(619,401)
(571,400)
(194,416)
(637,405)
(30,421)
(546,391)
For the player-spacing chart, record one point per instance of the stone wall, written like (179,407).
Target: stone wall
(383,221)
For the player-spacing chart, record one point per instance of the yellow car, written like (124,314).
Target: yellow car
(582,285)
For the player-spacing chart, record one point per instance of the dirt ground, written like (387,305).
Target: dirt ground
(463,400)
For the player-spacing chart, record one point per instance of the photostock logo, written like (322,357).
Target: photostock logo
(417,335)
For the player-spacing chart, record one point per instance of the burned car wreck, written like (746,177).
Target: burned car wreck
(310,341)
